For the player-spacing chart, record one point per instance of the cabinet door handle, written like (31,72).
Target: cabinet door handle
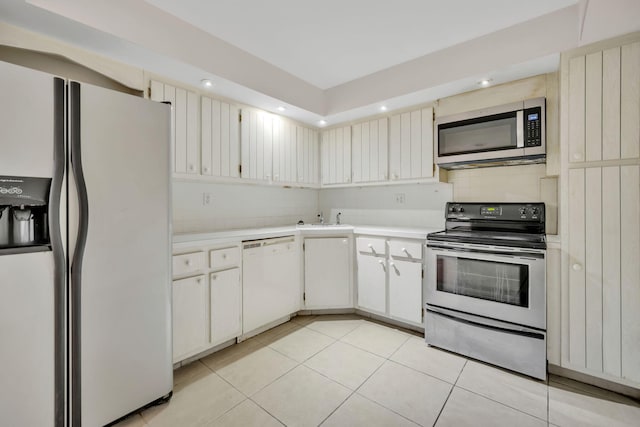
(199,280)
(206,169)
(224,256)
(214,277)
(576,267)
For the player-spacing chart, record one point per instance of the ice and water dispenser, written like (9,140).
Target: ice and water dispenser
(24,212)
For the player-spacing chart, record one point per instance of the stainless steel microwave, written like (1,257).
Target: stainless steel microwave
(504,135)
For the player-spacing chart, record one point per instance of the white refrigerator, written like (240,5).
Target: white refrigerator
(85,235)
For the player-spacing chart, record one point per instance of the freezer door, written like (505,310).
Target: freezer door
(26,122)
(120,271)
(33,285)
(27,336)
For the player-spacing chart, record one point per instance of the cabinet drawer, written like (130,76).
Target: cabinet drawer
(371,245)
(227,257)
(406,249)
(188,263)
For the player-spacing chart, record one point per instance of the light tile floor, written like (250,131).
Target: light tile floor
(344,370)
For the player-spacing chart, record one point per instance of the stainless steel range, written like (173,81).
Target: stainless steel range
(486,285)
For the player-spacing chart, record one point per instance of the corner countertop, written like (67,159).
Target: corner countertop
(305,230)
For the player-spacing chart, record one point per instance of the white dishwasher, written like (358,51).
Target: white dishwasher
(270,281)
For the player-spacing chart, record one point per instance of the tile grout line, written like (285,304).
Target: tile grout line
(356,390)
(450,391)
(501,403)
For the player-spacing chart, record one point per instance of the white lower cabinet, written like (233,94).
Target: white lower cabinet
(327,273)
(372,278)
(207,297)
(226,303)
(190,316)
(405,290)
(390,278)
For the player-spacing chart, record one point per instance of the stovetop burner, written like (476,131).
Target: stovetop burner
(498,224)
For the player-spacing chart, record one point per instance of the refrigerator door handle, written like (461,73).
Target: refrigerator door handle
(78,252)
(57,248)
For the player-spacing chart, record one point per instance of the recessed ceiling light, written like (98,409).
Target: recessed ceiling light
(383,108)
(281,108)
(322,122)
(207,83)
(485,82)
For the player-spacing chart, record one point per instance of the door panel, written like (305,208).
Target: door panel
(226,305)
(372,279)
(27,334)
(327,281)
(26,122)
(405,291)
(126,284)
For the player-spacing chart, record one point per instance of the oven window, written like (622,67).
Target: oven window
(488,280)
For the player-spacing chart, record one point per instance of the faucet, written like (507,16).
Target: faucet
(338,218)
(321,218)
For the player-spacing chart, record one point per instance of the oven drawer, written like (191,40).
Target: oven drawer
(519,349)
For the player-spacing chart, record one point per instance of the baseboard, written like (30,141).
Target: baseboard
(594,381)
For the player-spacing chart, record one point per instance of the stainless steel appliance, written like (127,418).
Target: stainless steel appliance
(486,284)
(85,306)
(504,135)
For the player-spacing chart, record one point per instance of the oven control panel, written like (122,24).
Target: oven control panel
(519,212)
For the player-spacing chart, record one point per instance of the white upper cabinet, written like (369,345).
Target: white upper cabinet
(336,156)
(184,121)
(257,144)
(274,149)
(370,142)
(411,145)
(308,157)
(220,138)
(604,104)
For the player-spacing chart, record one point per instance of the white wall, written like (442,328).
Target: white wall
(423,205)
(239,206)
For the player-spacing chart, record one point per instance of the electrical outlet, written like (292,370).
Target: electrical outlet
(207,198)
(400,198)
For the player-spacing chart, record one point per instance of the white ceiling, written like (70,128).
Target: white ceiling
(336,41)
(333,60)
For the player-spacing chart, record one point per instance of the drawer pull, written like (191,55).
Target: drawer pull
(189,262)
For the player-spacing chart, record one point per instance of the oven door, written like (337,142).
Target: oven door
(508,284)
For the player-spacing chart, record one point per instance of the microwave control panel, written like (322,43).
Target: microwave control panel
(532,127)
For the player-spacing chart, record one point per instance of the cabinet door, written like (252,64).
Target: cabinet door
(184,121)
(411,145)
(405,291)
(336,156)
(370,146)
(226,305)
(190,319)
(604,273)
(257,145)
(372,283)
(327,273)
(220,138)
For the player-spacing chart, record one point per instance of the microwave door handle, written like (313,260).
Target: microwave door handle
(520,129)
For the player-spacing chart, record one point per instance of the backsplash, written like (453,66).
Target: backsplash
(410,205)
(235,206)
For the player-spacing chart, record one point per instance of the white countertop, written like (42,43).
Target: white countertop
(268,232)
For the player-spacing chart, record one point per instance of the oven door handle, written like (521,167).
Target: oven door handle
(457,249)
